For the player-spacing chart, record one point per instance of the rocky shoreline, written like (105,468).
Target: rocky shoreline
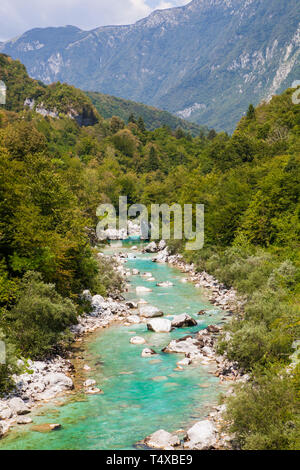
(45,380)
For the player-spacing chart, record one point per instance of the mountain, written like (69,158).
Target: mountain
(59,98)
(53,100)
(205,61)
(109,106)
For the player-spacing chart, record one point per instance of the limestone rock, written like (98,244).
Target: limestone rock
(137,340)
(18,407)
(201,436)
(142,290)
(149,311)
(161,440)
(159,325)
(182,321)
(24,420)
(148,352)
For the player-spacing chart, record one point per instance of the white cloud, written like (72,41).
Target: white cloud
(17,16)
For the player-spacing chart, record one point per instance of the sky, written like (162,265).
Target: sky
(18,16)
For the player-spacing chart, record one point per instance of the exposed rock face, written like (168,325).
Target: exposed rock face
(148,311)
(182,321)
(244,62)
(161,440)
(159,325)
(202,436)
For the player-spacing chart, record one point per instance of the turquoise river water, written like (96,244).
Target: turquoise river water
(140,395)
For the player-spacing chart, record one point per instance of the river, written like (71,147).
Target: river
(140,395)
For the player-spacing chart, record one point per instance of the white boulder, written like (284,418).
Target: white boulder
(134,319)
(89,383)
(151,248)
(159,325)
(161,440)
(149,311)
(201,436)
(182,321)
(162,245)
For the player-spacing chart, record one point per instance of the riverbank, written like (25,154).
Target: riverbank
(45,380)
(206,434)
(105,313)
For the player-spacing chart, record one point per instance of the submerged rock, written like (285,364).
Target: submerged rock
(182,321)
(94,391)
(161,440)
(165,284)
(184,362)
(142,290)
(24,420)
(159,325)
(137,340)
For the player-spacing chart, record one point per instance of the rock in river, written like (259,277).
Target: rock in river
(149,311)
(137,340)
(182,321)
(18,406)
(24,420)
(4,428)
(148,352)
(159,325)
(142,290)
(161,439)
(202,436)
(165,284)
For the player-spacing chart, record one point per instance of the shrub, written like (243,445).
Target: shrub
(40,317)
(264,414)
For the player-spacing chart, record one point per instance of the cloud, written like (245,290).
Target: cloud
(18,16)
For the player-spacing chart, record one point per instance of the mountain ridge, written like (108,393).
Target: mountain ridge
(205,61)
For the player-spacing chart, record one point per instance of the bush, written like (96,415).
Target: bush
(39,319)
(264,414)
(110,281)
